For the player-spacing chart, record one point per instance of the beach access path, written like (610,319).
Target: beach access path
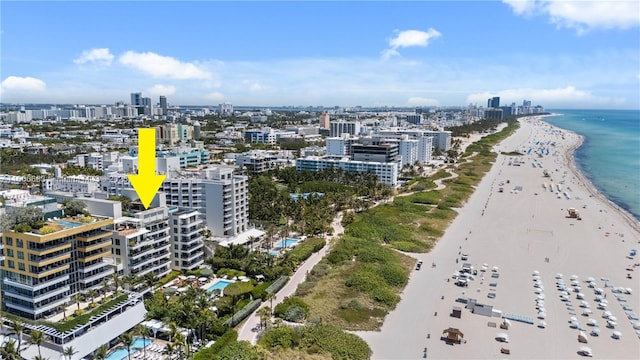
(523,229)
(248,330)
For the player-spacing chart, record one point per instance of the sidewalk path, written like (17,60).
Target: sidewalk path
(246,331)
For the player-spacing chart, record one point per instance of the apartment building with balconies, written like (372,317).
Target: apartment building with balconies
(42,269)
(141,242)
(187,244)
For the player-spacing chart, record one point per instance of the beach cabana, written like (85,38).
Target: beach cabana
(453,335)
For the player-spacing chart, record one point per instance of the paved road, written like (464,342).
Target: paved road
(246,331)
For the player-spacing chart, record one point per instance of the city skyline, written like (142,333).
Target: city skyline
(560,55)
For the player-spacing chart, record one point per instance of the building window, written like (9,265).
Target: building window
(20,255)
(9,241)
(9,252)
(11,264)
(19,243)
(117,251)
(21,266)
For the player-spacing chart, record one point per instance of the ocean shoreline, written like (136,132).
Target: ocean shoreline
(586,182)
(617,200)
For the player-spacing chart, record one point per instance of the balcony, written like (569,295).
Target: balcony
(96,246)
(93,236)
(95,277)
(92,267)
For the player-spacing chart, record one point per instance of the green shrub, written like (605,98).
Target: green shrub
(22,228)
(260,291)
(305,288)
(393,274)
(295,314)
(47,230)
(209,353)
(280,338)
(288,302)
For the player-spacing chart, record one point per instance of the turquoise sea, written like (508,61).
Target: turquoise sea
(610,154)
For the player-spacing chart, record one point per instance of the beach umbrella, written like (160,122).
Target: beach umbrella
(587,312)
(636,325)
(494,269)
(536,272)
(613,318)
(590,279)
(573,318)
(602,305)
(558,276)
(542,315)
(592,322)
(538,291)
(606,314)
(616,335)
(573,324)
(541,296)
(628,290)
(542,324)
(595,331)
(575,283)
(573,277)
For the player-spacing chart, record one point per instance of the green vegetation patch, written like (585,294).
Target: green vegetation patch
(320,338)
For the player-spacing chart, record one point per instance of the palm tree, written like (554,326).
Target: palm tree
(10,351)
(76,298)
(173,330)
(36,338)
(105,287)
(143,331)
(40,357)
(102,351)
(92,294)
(69,351)
(16,328)
(265,314)
(178,342)
(127,341)
(116,281)
(168,350)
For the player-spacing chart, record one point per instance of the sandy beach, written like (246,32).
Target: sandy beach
(522,230)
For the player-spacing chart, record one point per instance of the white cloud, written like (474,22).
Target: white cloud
(408,38)
(420,101)
(163,66)
(555,97)
(17,83)
(160,89)
(214,96)
(582,15)
(100,56)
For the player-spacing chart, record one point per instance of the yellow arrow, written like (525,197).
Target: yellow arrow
(146,183)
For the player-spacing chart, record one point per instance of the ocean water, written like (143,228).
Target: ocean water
(610,154)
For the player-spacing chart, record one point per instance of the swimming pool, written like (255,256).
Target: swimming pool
(122,353)
(288,242)
(220,284)
(68,224)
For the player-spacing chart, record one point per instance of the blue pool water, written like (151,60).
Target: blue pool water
(68,224)
(121,353)
(285,243)
(220,284)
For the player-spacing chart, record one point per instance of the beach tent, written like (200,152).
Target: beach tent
(582,337)
(453,335)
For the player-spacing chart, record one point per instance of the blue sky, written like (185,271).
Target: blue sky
(559,54)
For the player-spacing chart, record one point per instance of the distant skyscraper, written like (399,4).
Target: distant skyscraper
(324,120)
(225,109)
(493,102)
(136,99)
(526,103)
(163,104)
(418,110)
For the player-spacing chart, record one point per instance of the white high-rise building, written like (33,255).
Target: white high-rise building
(187,245)
(226,196)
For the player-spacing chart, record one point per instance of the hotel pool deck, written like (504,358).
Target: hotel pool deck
(219,284)
(121,352)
